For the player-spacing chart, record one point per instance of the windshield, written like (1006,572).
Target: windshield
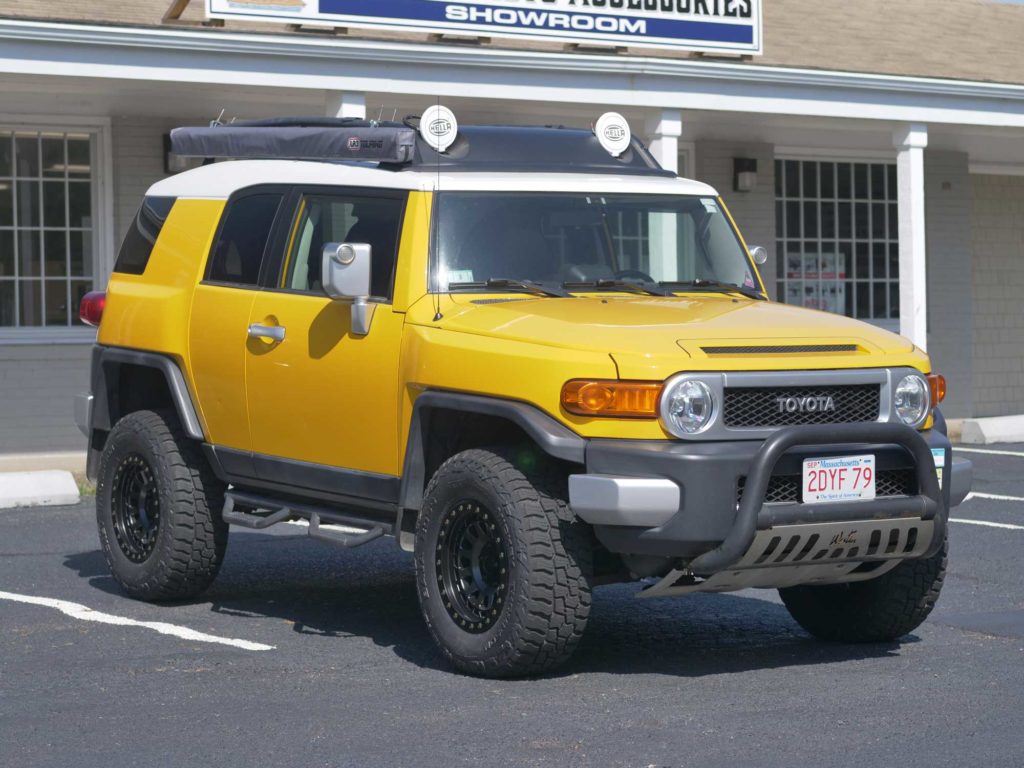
(568,238)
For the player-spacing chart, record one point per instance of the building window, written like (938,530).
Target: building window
(630,235)
(47,206)
(838,237)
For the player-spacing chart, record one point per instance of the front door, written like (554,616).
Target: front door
(317,394)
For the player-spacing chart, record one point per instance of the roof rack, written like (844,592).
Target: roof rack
(400,146)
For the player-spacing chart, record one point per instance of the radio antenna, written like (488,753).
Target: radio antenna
(437,237)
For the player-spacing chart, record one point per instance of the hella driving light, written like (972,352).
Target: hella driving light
(687,407)
(911,400)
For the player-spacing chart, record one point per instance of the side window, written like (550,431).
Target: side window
(238,253)
(326,219)
(142,234)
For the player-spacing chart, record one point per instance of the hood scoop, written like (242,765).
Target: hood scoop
(787,349)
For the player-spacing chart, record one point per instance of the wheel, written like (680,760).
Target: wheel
(502,566)
(158,508)
(880,610)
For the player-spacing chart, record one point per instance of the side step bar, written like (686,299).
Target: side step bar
(260,512)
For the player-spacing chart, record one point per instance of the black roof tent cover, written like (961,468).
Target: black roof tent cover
(299,139)
(398,146)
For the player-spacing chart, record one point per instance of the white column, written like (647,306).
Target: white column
(346,105)
(664,130)
(910,140)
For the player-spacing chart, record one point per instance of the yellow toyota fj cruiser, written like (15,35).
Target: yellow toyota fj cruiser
(532,356)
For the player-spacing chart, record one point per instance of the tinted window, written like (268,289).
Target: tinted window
(242,241)
(142,234)
(344,219)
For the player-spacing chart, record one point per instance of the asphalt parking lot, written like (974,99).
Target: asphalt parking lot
(311,656)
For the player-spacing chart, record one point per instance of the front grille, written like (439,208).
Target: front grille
(896,482)
(787,489)
(760,406)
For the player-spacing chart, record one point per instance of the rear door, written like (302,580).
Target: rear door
(317,393)
(218,331)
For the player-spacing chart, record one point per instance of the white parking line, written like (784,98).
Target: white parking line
(987,523)
(84,613)
(992,496)
(988,451)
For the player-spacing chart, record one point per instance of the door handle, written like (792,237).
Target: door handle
(275,332)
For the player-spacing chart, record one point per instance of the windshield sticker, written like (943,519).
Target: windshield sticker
(460,276)
(710,206)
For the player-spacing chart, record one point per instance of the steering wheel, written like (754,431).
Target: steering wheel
(634,274)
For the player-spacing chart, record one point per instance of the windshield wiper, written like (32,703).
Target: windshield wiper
(715,285)
(618,285)
(501,283)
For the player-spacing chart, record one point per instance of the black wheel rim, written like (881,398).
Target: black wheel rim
(472,566)
(135,503)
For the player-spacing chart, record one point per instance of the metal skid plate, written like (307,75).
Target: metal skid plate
(820,553)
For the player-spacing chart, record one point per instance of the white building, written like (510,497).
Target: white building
(888,139)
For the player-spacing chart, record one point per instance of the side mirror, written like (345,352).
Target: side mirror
(760,254)
(345,271)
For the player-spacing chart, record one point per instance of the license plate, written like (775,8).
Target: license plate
(840,478)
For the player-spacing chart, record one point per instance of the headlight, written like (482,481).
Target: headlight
(687,407)
(911,400)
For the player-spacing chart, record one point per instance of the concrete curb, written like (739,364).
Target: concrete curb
(998,429)
(72,461)
(954,429)
(50,488)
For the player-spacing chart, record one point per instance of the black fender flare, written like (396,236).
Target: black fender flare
(106,361)
(551,436)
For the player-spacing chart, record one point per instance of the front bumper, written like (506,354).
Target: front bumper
(711,529)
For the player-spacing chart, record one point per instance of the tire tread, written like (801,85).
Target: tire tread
(878,610)
(190,508)
(553,546)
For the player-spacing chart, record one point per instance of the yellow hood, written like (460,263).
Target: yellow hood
(650,330)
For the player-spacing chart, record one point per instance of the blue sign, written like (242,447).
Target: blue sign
(732,26)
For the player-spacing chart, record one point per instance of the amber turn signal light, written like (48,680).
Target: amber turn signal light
(937,383)
(625,399)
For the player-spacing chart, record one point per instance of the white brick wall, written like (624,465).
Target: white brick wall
(38,382)
(997,213)
(138,163)
(754,211)
(948,214)
(37,385)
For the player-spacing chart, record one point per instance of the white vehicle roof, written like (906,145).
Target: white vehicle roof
(220,180)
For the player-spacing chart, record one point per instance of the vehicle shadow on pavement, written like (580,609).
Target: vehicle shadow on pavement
(370,592)
(701,634)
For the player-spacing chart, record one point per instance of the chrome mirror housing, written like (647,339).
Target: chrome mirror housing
(345,270)
(759,253)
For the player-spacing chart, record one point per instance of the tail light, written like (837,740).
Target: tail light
(90,311)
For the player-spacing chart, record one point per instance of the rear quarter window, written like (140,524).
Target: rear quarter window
(243,238)
(142,235)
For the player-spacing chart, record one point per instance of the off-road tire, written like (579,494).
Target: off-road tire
(191,537)
(550,553)
(875,611)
